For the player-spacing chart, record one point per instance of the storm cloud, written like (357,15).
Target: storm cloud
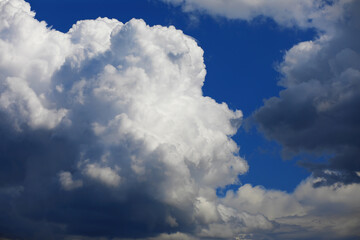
(317,112)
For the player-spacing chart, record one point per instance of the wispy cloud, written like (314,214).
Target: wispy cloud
(298,13)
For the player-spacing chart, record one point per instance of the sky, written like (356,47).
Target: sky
(179,119)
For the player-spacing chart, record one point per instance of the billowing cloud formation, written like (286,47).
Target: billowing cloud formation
(318,110)
(110,112)
(105,133)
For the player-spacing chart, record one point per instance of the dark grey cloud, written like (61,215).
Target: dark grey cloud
(318,111)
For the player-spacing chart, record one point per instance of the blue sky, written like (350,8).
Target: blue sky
(112,130)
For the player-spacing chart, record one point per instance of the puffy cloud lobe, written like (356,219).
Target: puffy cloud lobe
(104,174)
(317,111)
(27,43)
(67,182)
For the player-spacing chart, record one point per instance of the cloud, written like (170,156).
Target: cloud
(106,134)
(317,110)
(104,174)
(300,13)
(67,182)
(330,212)
(106,126)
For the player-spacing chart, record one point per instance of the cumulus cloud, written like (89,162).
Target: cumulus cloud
(317,110)
(107,109)
(104,174)
(330,212)
(106,134)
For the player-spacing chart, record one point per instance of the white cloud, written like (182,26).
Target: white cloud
(301,13)
(106,175)
(206,210)
(67,181)
(328,211)
(29,55)
(271,203)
